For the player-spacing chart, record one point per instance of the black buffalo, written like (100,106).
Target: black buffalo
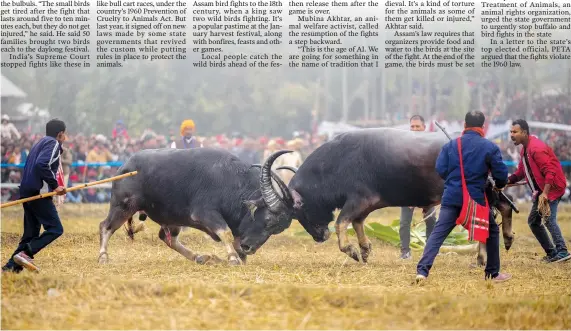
(207,189)
(362,171)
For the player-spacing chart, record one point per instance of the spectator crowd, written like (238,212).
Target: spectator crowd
(119,145)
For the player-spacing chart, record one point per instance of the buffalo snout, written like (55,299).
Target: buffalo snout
(250,244)
(322,235)
(248,249)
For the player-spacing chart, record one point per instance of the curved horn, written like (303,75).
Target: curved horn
(283,187)
(292,169)
(269,195)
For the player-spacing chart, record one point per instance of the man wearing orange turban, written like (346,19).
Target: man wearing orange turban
(188,140)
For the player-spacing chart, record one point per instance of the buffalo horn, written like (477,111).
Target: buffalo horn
(292,169)
(283,187)
(270,196)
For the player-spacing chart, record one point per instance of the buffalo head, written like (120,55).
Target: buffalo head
(269,215)
(314,220)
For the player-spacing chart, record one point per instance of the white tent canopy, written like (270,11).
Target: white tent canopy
(495,130)
(8,89)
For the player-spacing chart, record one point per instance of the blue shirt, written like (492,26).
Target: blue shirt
(479,156)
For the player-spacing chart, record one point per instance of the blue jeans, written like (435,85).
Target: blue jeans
(445,224)
(539,230)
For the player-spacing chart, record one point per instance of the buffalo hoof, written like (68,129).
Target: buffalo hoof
(366,251)
(201,259)
(103,258)
(234,259)
(207,259)
(351,251)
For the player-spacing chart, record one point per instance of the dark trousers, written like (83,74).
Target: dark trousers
(405,225)
(37,213)
(445,224)
(539,230)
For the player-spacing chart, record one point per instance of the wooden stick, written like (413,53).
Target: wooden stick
(78,187)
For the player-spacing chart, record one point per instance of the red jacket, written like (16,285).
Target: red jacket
(545,167)
(121,132)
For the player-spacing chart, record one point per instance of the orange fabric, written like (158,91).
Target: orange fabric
(186,124)
(480,131)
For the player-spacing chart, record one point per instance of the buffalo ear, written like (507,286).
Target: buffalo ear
(253,205)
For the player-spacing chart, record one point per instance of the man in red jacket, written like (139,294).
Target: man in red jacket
(545,177)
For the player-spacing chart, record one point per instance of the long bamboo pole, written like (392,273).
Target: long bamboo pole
(78,187)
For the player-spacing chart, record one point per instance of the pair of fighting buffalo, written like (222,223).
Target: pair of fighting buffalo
(235,202)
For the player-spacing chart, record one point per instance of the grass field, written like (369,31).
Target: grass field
(291,283)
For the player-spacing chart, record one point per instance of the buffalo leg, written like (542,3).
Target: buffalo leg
(169,234)
(114,220)
(239,250)
(364,242)
(341,229)
(506,211)
(227,238)
(215,223)
(354,212)
(482,255)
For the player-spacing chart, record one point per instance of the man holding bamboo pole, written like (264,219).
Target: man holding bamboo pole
(41,167)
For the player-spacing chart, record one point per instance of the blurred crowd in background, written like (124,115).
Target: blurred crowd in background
(118,145)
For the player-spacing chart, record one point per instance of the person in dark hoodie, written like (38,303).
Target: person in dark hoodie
(40,169)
